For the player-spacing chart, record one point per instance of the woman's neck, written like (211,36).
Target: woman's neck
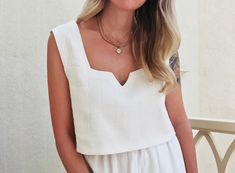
(118,21)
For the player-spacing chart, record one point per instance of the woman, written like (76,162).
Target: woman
(103,73)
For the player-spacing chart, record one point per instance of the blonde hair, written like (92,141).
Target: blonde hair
(156,37)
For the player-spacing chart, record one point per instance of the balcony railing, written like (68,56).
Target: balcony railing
(206,128)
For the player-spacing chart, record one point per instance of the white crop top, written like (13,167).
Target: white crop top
(110,117)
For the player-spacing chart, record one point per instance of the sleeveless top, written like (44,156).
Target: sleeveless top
(110,117)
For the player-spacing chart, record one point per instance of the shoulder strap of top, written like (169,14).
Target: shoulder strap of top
(61,39)
(78,43)
(70,46)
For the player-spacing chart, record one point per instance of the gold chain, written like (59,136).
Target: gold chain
(119,47)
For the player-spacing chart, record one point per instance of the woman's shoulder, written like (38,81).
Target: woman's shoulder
(88,25)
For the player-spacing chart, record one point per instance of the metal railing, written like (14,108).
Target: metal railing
(205,128)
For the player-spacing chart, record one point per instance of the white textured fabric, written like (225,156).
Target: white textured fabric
(109,117)
(161,158)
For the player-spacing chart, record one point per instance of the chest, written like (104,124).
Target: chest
(102,56)
(100,90)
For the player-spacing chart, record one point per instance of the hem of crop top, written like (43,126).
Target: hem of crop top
(128,148)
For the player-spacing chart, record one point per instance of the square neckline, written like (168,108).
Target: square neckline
(91,69)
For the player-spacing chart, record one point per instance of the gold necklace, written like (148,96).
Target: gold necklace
(119,47)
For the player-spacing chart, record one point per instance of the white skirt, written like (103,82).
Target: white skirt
(161,158)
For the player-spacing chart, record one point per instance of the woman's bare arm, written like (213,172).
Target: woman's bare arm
(61,112)
(178,116)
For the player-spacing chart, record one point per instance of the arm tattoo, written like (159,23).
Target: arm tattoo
(175,66)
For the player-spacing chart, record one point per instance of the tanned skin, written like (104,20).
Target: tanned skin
(61,112)
(178,116)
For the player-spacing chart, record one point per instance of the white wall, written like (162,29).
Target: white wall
(217,58)
(217,72)
(208,51)
(26,138)
(187,16)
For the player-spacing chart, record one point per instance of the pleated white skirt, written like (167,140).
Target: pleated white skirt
(161,158)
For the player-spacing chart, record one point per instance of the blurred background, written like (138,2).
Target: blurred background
(207,56)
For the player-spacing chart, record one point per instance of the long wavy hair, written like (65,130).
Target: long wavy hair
(156,37)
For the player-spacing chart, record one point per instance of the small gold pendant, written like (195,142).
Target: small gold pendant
(119,50)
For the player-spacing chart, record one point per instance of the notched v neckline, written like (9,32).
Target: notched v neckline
(96,71)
